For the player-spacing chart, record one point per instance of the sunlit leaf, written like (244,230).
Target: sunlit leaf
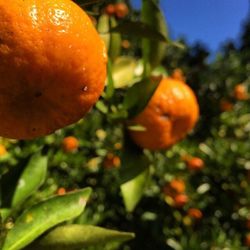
(43,216)
(31,179)
(77,237)
(132,191)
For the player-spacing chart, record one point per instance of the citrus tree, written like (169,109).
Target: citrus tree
(124,176)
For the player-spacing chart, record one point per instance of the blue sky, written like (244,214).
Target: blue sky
(209,21)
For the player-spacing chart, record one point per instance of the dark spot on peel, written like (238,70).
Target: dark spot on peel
(84,88)
(38,94)
(165,116)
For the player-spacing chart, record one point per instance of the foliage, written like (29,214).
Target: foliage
(130,196)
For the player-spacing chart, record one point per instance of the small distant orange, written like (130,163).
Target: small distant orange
(248,224)
(110,9)
(53,66)
(121,10)
(180,200)
(195,163)
(195,213)
(61,191)
(240,92)
(70,144)
(247,240)
(226,105)
(178,185)
(111,161)
(170,114)
(3,150)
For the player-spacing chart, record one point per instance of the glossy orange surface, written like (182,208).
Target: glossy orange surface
(170,114)
(52,66)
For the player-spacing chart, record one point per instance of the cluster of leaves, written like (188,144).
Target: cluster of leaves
(129,196)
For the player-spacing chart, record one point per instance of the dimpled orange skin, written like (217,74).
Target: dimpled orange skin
(170,114)
(52,66)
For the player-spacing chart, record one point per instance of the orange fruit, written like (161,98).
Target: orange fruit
(121,10)
(178,75)
(61,191)
(110,9)
(225,105)
(195,213)
(178,185)
(247,240)
(248,224)
(170,114)
(195,163)
(175,187)
(180,200)
(240,92)
(53,66)
(3,150)
(126,44)
(111,161)
(70,144)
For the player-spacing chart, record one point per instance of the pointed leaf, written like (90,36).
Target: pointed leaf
(133,160)
(140,30)
(5,212)
(123,71)
(103,29)
(110,85)
(115,41)
(78,237)
(31,179)
(132,191)
(138,96)
(153,51)
(41,217)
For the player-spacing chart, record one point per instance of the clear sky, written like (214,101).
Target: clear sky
(209,21)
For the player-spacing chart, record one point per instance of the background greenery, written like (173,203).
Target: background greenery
(221,190)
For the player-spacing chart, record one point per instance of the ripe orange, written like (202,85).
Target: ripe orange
(111,161)
(126,44)
(110,9)
(178,75)
(70,144)
(240,92)
(195,163)
(52,66)
(61,191)
(247,240)
(3,150)
(225,105)
(170,114)
(195,213)
(180,200)
(121,10)
(248,224)
(178,185)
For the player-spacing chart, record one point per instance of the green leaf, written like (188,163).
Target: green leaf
(115,41)
(132,191)
(123,71)
(41,217)
(154,51)
(78,237)
(133,160)
(110,86)
(136,128)
(31,179)
(139,29)
(103,29)
(101,106)
(5,212)
(138,96)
